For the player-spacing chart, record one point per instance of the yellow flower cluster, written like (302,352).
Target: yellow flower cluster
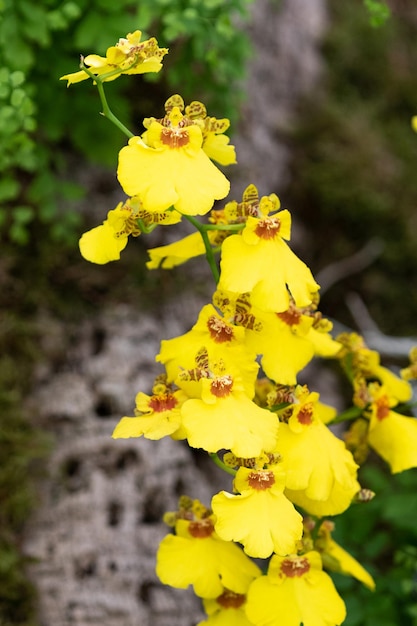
(230,385)
(285,459)
(377,391)
(294,590)
(168,173)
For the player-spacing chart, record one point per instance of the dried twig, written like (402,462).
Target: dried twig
(386,345)
(335,272)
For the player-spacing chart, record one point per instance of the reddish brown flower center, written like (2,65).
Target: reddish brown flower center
(219,331)
(201,529)
(221,386)
(261,480)
(163,402)
(231,600)
(268,228)
(175,137)
(382,408)
(297,566)
(305,414)
(291,317)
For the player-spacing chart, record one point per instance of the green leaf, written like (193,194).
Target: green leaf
(378,12)
(17,97)
(17,78)
(401,510)
(34,22)
(4,91)
(71,10)
(23,214)
(9,189)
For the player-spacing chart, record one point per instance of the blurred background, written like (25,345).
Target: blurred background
(320,94)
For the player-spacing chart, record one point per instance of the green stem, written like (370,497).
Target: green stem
(278,407)
(315,532)
(350,414)
(202,229)
(233,227)
(145,229)
(222,465)
(107,112)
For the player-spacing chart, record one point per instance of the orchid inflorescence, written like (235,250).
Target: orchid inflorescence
(229,386)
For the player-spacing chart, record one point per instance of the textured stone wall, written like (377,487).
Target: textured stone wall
(94,537)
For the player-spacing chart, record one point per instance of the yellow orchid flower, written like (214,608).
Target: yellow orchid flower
(294,591)
(259,261)
(168,167)
(391,435)
(286,341)
(196,556)
(225,418)
(228,609)
(215,143)
(361,363)
(157,416)
(320,471)
(104,243)
(336,559)
(260,517)
(223,341)
(130,55)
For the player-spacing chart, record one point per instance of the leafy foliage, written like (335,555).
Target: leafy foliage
(384,537)
(210,51)
(38,126)
(378,12)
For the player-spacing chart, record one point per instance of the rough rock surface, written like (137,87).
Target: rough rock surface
(95,535)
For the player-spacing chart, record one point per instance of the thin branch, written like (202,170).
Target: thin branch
(386,345)
(335,272)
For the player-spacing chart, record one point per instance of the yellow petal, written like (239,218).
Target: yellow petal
(395,439)
(114,56)
(218,149)
(264,521)
(176,253)
(147,65)
(347,564)
(165,177)
(153,427)
(234,423)
(321,473)
(95,61)
(309,598)
(209,564)
(268,605)
(75,77)
(284,352)
(99,245)
(266,268)
(396,387)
